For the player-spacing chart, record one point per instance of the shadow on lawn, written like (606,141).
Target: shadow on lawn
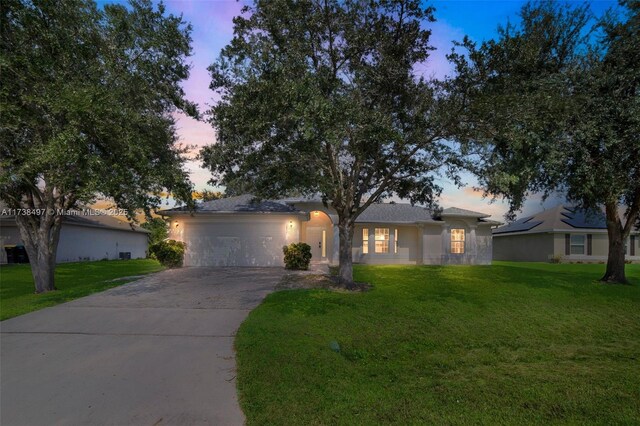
(573,281)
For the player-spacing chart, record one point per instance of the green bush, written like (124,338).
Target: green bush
(297,256)
(168,252)
(556,259)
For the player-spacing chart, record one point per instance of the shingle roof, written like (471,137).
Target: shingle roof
(241,204)
(103,221)
(95,219)
(557,218)
(455,211)
(395,213)
(375,213)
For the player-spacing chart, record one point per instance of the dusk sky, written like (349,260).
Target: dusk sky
(213,29)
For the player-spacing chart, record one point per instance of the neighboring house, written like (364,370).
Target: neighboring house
(240,231)
(560,233)
(86,236)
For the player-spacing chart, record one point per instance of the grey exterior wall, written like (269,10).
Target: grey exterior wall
(408,245)
(88,243)
(524,248)
(484,241)
(428,244)
(478,243)
(432,244)
(85,243)
(542,247)
(600,247)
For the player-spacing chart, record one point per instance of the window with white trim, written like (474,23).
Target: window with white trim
(577,244)
(395,240)
(382,240)
(365,240)
(457,241)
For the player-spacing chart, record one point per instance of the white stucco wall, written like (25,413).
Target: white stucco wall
(235,239)
(86,243)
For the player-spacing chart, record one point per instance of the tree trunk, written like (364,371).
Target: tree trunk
(345,269)
(40,236)
(615,260)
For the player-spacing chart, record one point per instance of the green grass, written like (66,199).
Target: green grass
(73,280)
(512,343)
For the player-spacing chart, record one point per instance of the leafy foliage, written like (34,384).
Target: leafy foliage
(159,229)
(208,195)
(556,108)
(87,98)
(323,98)
(169,253)
(297,256)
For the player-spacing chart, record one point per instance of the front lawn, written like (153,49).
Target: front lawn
(73,280)
(512,343)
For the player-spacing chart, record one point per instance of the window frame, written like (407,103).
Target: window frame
(381,239)
(458,246)
(395,241)
(572,244)
(365,240)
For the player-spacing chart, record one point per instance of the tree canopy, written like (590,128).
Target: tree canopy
(87,98)
(555,108)
(323,97)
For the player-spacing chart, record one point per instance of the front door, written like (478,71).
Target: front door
(317,239)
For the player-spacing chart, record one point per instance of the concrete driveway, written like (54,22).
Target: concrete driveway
(158,351)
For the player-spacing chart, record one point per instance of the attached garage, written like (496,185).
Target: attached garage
(243,234)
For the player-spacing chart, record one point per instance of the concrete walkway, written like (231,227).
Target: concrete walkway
(158,351)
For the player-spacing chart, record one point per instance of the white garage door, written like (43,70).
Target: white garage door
(235,244)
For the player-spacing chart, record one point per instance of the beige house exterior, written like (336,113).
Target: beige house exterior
(241,231)
(562,233)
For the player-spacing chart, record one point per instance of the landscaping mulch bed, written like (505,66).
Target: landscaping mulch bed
(307,281)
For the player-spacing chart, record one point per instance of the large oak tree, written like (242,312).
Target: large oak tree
(556,108)
(325,97)
(87,100)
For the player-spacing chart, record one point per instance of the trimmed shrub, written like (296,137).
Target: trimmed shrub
(168,252)
(556,259)
(297,256)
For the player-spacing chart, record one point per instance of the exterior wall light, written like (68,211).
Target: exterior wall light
(316,213)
